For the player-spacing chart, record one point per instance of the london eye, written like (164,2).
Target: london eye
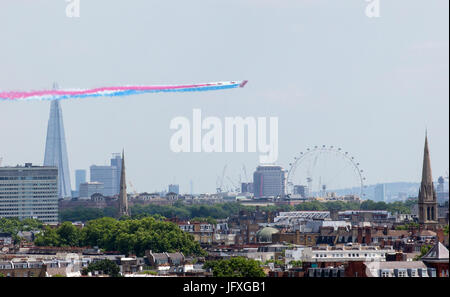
(324,169)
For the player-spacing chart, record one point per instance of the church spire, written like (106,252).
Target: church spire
(427,177)
(123,200)
(427,202)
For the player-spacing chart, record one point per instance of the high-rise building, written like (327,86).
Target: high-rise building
(428,215)
(123,197)
(29,192)
(80,177)
(246,187)
(174,189)
(380,192)
(442,190)
(301,190)
(107,175)
(116,161)
(56,150)
(269,181)
(87,189)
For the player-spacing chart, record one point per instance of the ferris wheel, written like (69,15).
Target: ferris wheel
(323,168)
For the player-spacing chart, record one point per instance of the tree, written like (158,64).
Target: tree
(297,263)
(235,267)
(104,266)
(423,250)
(14,225)
(129,236)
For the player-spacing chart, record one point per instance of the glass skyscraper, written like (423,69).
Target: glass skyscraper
(56,150)
(80,177)
(109,176)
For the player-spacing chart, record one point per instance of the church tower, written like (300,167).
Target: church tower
(123,200)
(428,206)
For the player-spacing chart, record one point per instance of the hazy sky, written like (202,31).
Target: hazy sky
(332,75)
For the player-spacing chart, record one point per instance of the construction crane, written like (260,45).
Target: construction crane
(220,180)
(133,189)
(245,173)
(236,187)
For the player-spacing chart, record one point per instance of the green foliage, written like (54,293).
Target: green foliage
(224,210)
(446,230)
(423,250)
(126,236)
(208,220)
(14,226)
(235,267)
(84,214)
(150,272)
(104,266)
(407,226)
(297,263)
(394,207)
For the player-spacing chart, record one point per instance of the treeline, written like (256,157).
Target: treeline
(128,236)
(224,210)
(394,207)
(85,214)
(13,226)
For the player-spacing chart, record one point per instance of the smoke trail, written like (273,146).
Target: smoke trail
(116,91)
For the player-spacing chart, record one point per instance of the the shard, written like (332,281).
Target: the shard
(56,151)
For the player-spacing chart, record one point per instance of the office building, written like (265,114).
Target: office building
(269,181)
(116,161)
(29,192)
(174,189)
(56,151)
(107,175)
(80,177)
(89,188)
(246,187)
(442,190)
(301,190)
(380,192)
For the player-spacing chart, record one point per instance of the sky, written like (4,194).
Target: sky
(332,76)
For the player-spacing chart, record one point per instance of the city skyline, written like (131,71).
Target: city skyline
(373,96)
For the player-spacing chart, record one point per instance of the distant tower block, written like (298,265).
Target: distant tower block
(123,199)
(428,216)
(56,150)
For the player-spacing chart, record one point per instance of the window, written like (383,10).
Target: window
(402,273)
(384,273)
